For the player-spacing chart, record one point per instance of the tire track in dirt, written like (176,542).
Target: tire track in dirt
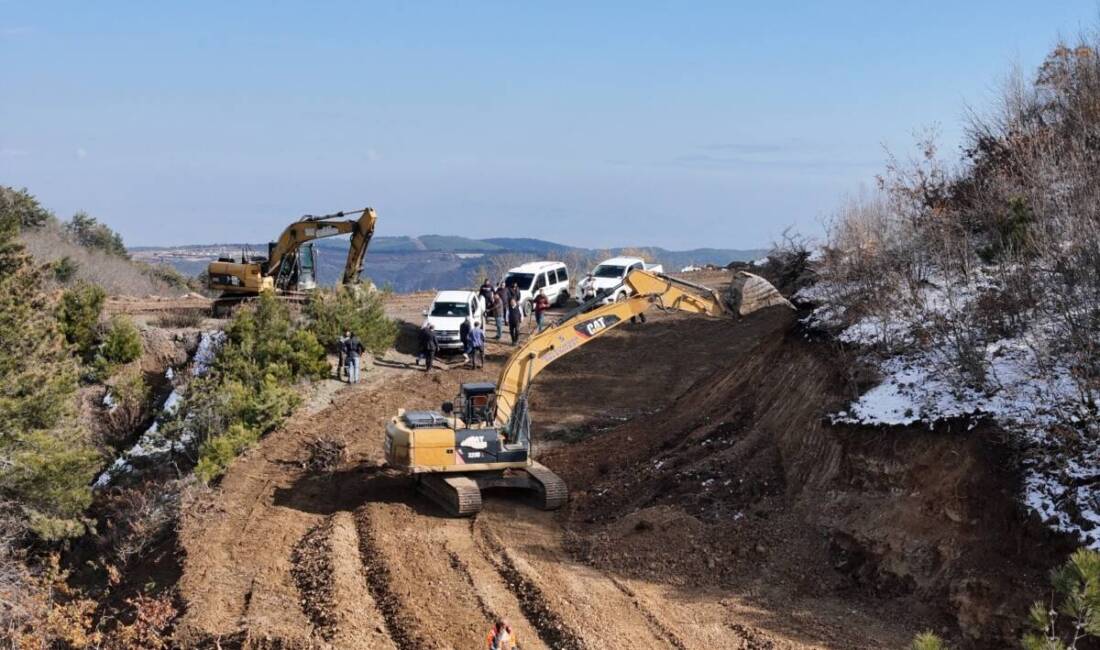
(359,621)
(660,628)
(550,626)
(399,625)
(311,566)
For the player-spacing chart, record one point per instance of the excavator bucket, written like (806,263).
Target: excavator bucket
(749,293)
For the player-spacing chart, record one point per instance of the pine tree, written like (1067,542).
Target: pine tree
(46,462)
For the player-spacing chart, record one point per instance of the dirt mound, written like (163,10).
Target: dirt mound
(743,473)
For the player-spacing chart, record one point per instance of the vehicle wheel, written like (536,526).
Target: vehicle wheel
(563,298)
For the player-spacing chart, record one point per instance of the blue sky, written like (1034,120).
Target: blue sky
(633,123)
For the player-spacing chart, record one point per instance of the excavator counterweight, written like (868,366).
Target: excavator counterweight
(483,440)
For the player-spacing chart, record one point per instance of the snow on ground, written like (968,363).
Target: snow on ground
(153,445)
(1038,404)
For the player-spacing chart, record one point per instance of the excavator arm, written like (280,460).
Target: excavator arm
(309,228)
(649,290)
(361,235)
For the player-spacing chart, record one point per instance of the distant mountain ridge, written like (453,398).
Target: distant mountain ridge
(438,261)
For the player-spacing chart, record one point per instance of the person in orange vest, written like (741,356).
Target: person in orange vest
(501,637)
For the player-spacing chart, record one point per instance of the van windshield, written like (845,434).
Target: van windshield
(607,271)
(521,280)
(450,309)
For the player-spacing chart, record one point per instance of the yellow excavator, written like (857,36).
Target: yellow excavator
(483,439)
(290,266)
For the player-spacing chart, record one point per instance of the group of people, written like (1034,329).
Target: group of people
(351,352)
(505,304)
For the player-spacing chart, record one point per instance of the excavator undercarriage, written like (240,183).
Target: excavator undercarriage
(460,495)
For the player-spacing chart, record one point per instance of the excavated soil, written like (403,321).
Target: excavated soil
(712,507)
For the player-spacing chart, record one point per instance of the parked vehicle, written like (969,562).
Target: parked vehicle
(606,281)
(448,310)
(551,277)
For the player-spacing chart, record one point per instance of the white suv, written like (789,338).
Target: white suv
(447,312)
(551,277)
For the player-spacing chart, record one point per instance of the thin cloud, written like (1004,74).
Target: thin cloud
(13,153)
(19,30)
(81,152)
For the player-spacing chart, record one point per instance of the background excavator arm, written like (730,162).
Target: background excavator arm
(361,235)
(330,225)
(649,290)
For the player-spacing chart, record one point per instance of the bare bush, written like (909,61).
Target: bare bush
(181,319)
(137,518)
(326,454)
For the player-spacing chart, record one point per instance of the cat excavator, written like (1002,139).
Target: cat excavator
(290,266)
(482,440)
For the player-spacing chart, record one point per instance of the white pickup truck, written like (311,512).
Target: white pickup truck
(606,280)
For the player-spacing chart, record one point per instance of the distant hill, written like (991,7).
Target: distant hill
(439,261)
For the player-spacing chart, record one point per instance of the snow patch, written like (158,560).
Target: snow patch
(153,445)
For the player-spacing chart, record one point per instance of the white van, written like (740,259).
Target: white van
(447,312)
(551,277)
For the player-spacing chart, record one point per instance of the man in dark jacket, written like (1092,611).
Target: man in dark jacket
(353,348)
(514,319)
(428,345)
(497,311)
(486,292)
(464,337)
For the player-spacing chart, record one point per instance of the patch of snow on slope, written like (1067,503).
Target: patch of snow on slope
(153,445)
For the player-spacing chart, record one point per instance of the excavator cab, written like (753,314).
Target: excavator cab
(477,403)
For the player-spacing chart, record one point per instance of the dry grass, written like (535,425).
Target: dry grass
(116,275)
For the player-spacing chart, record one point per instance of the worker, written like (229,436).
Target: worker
(514,294)
(501,637)
(486,292)
(497,310)
(515,317)
(353,348)
(588,288)
(429,345)
(464,337)
(542,303)
(477,346)
(340,352)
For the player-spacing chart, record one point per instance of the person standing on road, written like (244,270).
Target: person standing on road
(429,345)
(340,343)
(477,346)
(486,292)
(353,348)
(514,294)
(498,313)
(464,337)
(514,319)
(542,303)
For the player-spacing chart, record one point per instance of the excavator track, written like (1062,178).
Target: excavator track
(552,490)
(460,496)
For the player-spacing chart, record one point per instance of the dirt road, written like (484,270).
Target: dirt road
(277,557)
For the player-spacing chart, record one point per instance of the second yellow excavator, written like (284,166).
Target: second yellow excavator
(483,440)
(290,266)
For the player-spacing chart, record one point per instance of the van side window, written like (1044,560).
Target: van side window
(635,266)
(541,282)
(555,276)
(563,275)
